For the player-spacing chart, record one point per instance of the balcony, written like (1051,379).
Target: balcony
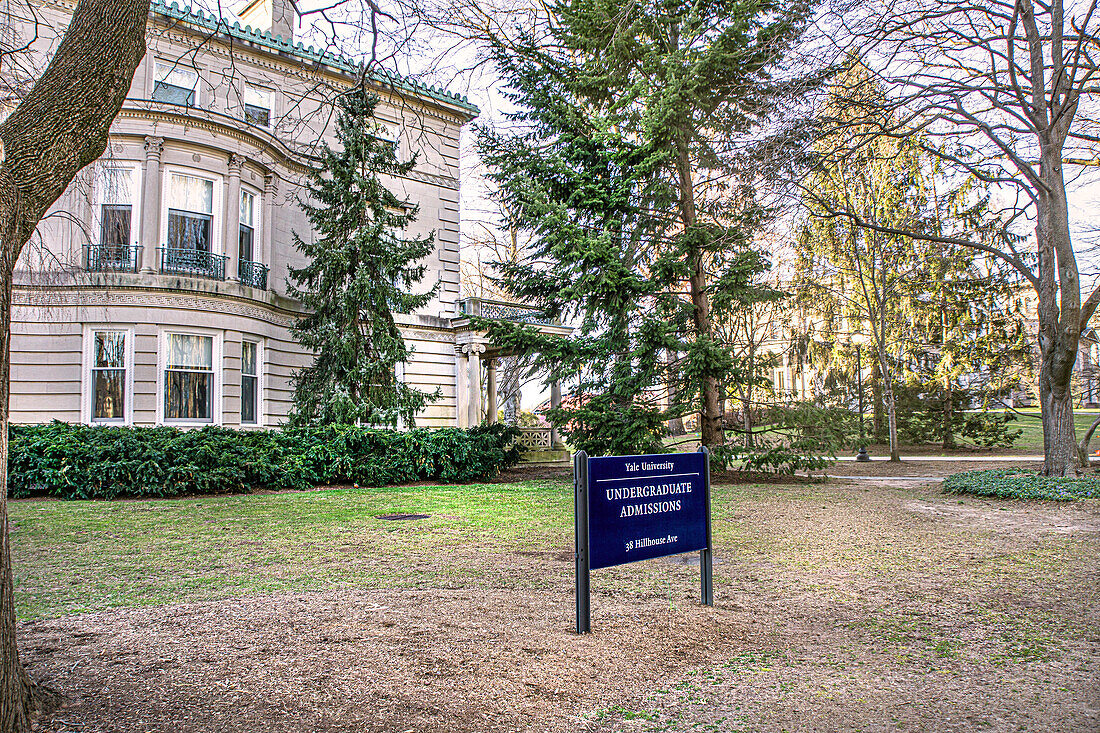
(504,311)
(111,257)
(194,262)
(252,274)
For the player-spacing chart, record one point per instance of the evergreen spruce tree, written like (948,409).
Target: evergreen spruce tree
(618,170)
(359,272)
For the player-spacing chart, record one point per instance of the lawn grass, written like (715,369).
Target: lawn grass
(83,556)
(1027,421)
(1030,423)
(78,556)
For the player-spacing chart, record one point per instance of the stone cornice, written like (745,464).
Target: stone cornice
(307,72)
(147,110)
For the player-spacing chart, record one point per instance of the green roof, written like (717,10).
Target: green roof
(198,17)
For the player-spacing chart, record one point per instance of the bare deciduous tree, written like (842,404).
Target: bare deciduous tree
(59,127)
(1005,92)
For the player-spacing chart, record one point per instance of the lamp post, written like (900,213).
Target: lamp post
(858,340)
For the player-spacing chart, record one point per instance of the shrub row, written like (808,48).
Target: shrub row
(1020,484)
(86,462)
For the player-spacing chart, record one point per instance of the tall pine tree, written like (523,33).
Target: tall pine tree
(619,168)
(359,272)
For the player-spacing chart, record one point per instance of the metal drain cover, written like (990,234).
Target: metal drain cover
(396,517)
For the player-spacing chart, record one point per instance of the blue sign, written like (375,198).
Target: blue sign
(641,507)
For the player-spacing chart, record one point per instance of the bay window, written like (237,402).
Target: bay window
(116,203)
(188,378)
(247,229)
(249,271)
(189,233)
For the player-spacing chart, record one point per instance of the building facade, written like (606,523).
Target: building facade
(155,290)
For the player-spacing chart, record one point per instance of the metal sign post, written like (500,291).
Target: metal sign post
(580,514)
(632,508)
(706,555)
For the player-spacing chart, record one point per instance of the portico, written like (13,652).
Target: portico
(477,358)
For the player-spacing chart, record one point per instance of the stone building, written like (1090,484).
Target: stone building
(155,290)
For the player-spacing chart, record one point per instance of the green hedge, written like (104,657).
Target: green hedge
(1020,484)
(86,462)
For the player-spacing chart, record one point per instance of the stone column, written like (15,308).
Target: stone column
(474,352)
(267,237)
(555,401)
(233,216)
(491,389)
(462,388)
(150,204)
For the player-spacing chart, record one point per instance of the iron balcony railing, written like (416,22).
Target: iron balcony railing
(111,257)
(252,274)
(192,262)
(503,311)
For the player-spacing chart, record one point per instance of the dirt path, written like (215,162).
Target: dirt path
(841,606)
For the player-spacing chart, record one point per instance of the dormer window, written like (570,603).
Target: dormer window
(257,106)
(176,84)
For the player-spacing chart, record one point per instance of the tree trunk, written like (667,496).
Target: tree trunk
(948,418)
(1059,313)
(1060,449)
(1083,446)
(676,424)
(710,419)
(59,127)
(746,416)
(878,423)
(891,414)
(16,696)
(891,409)
(511,410)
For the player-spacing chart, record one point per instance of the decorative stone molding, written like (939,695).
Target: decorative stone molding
(104,298)
(307,72)
(271,184)
(183,301)
(154,146)
(537,439)
(442,337)
(236,160)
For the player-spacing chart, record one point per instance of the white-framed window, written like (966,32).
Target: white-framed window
(189,384)
(252,361)
(176,83)
(189,217)
(108,375)
(249,217)
(387,132)
(113,237)
(116,208)
(258,105)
